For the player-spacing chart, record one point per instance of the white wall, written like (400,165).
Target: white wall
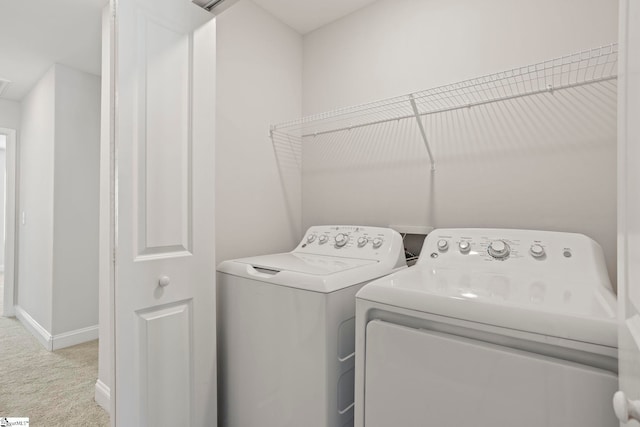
(35,247)
(35,253)
(258,81)
(395,47)
(544,162)
(75,237)
(58,243)
(9,114)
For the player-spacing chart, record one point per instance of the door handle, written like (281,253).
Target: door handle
(164,281)
(624,408)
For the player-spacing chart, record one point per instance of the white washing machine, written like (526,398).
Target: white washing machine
(491,328)
(286,327)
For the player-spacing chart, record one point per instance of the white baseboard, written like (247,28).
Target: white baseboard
(103,396)
(71,338)
(56,342)
(41,334)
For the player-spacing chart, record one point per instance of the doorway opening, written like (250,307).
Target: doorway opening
(3,204)
(8,227)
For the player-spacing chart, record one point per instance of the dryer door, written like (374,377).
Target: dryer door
(416,377)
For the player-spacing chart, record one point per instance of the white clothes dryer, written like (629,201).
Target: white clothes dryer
(491,328)
(286,327)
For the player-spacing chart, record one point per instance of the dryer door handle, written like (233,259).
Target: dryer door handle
(624,408)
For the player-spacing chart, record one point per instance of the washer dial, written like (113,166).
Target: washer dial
(311,238)
(323,239)
(443,245)
(377,242)
(499,249)
(362,241)
(341,239)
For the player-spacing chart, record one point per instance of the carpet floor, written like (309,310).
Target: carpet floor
(50,388)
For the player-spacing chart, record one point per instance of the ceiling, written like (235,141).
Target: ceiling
(307,15)
(35,34)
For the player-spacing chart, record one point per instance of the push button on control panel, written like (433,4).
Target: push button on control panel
(536,250)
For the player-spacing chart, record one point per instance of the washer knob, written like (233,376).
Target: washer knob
(341,239)
(311,238)
(323,239)
(464,246)
(536,250)
(362,241)
(443,245)
(499,249)
(377,242)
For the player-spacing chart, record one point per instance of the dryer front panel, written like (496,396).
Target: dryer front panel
(416,377)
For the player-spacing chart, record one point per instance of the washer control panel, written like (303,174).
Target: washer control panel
(350,241)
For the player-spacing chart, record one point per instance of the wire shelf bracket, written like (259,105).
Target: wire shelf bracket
(586,67)
(423,133)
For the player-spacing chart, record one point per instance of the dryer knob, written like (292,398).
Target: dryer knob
(499,249)
(377,242)
(362,241)
(464,246)
(311,238)
(323,239)
(341,239)
(443,245)
(536,250)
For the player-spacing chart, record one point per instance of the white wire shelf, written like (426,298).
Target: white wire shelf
(577,69)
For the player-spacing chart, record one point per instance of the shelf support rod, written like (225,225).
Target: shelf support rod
(422,131)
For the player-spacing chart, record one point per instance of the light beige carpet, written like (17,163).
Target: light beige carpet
(1,293)
(51,388)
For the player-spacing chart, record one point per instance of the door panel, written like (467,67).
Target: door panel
(164,147)
(164,339)
(164,71)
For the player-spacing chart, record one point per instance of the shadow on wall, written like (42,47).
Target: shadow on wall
(544,161)
(288,154)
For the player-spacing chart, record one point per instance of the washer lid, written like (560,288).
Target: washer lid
(317,273)
(319,265)
(537,304)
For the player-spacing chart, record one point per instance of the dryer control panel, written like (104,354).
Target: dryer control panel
(351,242)
(510,250)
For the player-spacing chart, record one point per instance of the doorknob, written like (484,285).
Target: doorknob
(624,408)
(164,281)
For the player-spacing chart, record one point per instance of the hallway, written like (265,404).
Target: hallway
(51,388)
(1,294)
